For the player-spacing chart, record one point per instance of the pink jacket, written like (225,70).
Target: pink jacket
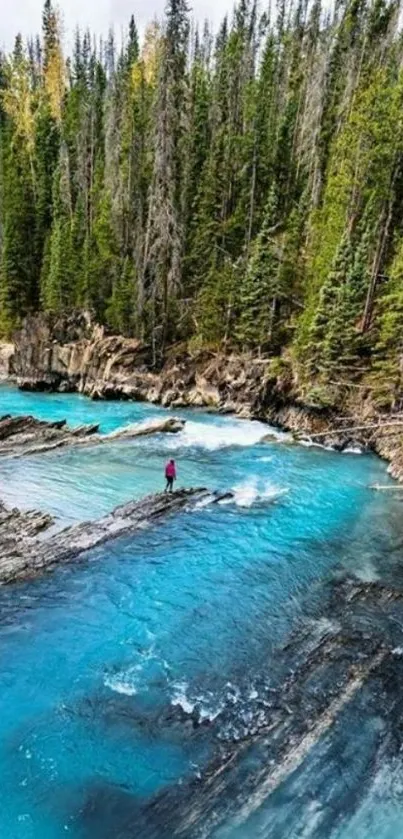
(170,471)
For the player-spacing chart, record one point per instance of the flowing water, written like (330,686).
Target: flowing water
(125,676)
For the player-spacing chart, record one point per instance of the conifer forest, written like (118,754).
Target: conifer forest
(240,189)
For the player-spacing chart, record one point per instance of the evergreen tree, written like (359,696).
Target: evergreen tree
(163,242)
(243,192)
(121,312)
(19,271)
(259,292)
(57,281)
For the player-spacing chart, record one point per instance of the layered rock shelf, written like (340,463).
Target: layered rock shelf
(23,554)
(71,353)
(27,435)
(337,663)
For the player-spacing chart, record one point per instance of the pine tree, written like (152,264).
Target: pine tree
(121,312)
(243,192)
(387,373)
(19,271)
(53,62)
(260,288)
(163,242)
(216,305)
(326,336)
(57,282)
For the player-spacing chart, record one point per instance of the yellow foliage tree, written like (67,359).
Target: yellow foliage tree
(54,68)
(149,54)
(18,98)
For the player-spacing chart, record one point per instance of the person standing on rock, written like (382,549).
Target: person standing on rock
(170,474)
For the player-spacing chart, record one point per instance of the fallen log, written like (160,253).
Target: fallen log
(386,487)
(21,436)
(334,432)
(23,555)
(168,425)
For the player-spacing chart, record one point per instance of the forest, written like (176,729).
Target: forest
(239,190)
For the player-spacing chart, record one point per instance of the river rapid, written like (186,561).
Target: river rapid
(130,677)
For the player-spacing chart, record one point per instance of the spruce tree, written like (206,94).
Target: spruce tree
(244,192)
(260,289)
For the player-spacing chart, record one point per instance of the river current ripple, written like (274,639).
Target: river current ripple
(141,685)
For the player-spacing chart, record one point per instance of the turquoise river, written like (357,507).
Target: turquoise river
(124,676)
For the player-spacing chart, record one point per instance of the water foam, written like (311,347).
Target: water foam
(204,502)
(253,491)
(310,444)
(136,679)
(180,698)
(213,436)
(204,706)
(123,683)
(313,444)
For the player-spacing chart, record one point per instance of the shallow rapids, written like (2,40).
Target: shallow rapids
(131,678)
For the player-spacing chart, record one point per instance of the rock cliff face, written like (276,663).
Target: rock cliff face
(6,353)
(72,353)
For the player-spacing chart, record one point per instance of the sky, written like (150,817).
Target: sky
(25,15)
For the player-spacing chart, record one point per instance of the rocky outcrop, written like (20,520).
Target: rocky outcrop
(23,555)
(6,354)
(73,353)
(17,526)
(337,670)
(26,435)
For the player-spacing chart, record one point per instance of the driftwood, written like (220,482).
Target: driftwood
(23,555)
(386,487)
(26,435)
(354,428)
(350,430)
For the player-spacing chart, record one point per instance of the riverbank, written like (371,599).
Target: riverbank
(72,354)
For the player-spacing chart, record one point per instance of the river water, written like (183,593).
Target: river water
(125,676)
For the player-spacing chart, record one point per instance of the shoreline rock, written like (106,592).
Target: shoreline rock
(328,666)
(23,555)
(71,353)
(6,354)
(26,435)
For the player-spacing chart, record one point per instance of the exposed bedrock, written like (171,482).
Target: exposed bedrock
(341,667)
(27,435)
(72,353)
(15,525)
(6,354)
(23,555)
